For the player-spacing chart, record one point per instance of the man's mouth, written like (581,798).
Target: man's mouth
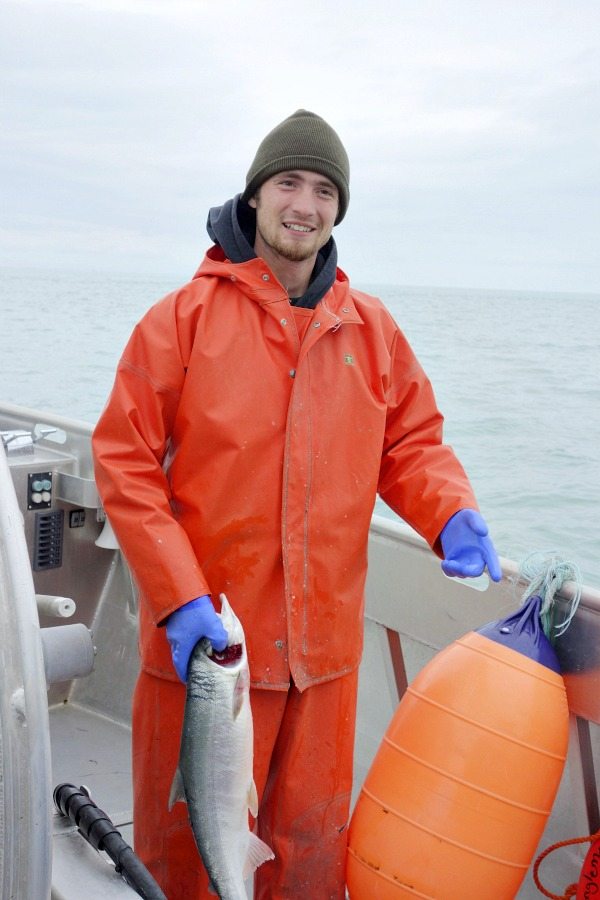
(292,226)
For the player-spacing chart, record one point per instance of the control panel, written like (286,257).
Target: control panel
(39,490)
(54,499)
(48,540)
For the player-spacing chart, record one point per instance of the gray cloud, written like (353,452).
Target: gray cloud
(472,129)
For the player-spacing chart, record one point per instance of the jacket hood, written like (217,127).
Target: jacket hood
(233,227)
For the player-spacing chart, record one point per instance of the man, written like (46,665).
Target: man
(256,413)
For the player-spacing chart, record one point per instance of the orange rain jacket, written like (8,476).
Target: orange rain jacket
(231,458)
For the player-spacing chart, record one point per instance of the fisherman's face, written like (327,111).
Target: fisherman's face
(295,213)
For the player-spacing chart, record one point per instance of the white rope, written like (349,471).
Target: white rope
(546,574)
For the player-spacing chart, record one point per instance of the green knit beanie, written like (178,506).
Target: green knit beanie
(302,141)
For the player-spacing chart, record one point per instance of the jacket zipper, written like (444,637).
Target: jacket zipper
(337,322)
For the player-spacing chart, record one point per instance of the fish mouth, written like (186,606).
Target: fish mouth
(227,656)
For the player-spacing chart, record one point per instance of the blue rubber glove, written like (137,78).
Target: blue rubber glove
(187,625)
(467,547)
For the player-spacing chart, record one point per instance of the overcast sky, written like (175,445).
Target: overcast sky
(472,130)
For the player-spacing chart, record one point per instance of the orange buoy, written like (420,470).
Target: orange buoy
(459,792)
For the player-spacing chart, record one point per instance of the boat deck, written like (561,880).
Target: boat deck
(89,749)
(412,611)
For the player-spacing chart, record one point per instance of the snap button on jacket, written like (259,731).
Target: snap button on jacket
(221,473)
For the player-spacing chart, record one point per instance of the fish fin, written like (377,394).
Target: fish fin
(177,790)
(231,623)
(258,853)
(253,799)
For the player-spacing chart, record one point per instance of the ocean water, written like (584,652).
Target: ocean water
(517,376)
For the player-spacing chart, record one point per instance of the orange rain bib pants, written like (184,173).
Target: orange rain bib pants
(303,749)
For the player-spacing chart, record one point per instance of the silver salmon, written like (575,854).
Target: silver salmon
(214,776)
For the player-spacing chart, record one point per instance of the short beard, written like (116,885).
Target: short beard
(291,253)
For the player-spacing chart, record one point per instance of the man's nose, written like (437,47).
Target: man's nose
(304,202)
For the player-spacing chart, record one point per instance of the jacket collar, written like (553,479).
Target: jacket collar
(232,227)
(255,279)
